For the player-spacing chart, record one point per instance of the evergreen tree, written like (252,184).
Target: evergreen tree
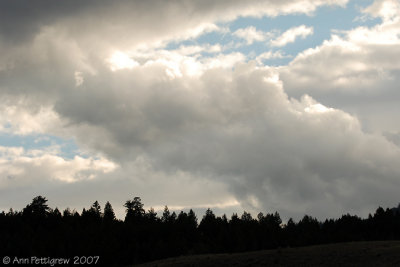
(39,230)
(134,210)
(96,209)
(192,218)
(38,207)
(246,217)
(151,215)
(166,216)
(109,214)
(67,212)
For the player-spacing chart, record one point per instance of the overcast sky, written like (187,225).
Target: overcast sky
(288,106)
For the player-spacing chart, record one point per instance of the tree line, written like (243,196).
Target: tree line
(143,236)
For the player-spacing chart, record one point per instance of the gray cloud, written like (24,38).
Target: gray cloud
(225,129)
(240,128)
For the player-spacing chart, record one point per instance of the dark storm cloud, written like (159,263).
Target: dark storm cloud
(21,20)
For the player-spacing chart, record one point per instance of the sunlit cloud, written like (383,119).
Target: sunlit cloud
(251,35)
(20,167)
(119,60)
(292,34)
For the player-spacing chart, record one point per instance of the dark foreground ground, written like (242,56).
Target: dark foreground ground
(377,253)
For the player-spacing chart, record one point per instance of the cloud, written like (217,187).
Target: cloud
(19,119)
(189,130)
(250,34)
(196,49)
(271,55)
(356,70)
(359,56)
(291,34)
(78,182)
(385,9)
(135,22)
(238,127)
(119,60)
(20,168)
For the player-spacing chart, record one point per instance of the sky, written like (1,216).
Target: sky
(288,106)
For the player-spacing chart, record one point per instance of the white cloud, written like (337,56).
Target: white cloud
(358,56)
(388,10)
(186,60)
(119,60)
(20,120)
(270,55)
(224,61)
(250,34)
(20,168)
(291,34)
(196,49)
(357,70)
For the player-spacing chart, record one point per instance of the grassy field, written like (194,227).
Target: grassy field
(377,253)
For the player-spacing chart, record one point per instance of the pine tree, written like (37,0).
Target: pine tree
(109,214)
(38,207)
(96,209)
(134,210)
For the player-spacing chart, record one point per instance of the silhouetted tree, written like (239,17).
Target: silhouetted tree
(96,209)
(192,219)
(38,207)
(134,210)
(67,212)
(109,214)
(151,216)
(38,230)
(208,229)
(56,213)
(246,217)
(167,216)
(270,229)
(308,229)
(207,224)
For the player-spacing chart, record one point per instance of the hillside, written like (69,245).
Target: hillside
(377,253)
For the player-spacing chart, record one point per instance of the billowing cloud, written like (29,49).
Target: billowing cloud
(186,129)
(385,9)
(356,70)
(237,127)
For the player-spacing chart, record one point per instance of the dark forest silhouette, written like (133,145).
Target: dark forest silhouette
(142,236)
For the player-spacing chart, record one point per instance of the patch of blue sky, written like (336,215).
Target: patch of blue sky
(213,38)
(68,148)
(324,18)
(324,21)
